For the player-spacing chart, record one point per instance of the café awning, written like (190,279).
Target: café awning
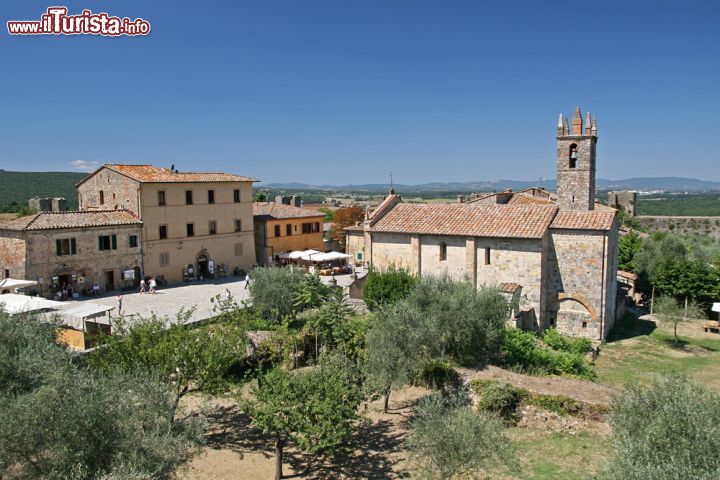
(14,303)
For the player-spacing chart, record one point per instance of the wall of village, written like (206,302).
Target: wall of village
(297,240)
(118,190)
(89,264)
(709,226)
(12,254)
(580,274)
(226,247)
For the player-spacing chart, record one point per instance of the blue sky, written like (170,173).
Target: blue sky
(347,91)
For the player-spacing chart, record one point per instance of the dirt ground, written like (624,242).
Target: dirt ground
(236,450)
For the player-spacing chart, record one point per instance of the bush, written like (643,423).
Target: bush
(669,429)
(437,374)
(555,403)
(556,341)
(382,288)
(523,351)
(501,399)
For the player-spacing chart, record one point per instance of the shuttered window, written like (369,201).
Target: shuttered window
(65,246)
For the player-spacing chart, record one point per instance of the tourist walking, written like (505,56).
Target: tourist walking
(96,289)
(142,285)
(247,280)
(119,303)
(153,285)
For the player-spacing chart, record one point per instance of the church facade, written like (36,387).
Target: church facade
(555,254)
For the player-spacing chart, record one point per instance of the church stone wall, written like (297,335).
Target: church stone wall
(512,261)
(580,266)
(454,266)
(393,249)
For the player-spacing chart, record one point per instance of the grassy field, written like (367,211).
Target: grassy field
(640,349)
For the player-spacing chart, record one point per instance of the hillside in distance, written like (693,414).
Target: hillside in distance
(16,188)
(639,183)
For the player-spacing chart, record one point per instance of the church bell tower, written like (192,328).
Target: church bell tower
(576,162)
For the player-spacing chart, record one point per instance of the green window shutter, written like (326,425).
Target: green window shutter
(100,244)
(58,247)
(73,246)
(114,242)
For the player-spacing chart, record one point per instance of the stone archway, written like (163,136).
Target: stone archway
(576,315)
(203,264)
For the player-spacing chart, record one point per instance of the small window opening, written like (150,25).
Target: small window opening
(487,256)
(584,324)
(443,251)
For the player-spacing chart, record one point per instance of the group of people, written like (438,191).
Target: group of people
(66,291)
(148,287)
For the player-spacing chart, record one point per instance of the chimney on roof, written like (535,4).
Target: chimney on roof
(461,198)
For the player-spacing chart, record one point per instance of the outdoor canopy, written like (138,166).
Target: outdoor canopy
(13,283)
(13,303)
(76,315)
(316,256)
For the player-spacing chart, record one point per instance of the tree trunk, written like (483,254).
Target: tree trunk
(387,401)
(278,458)
(675,333)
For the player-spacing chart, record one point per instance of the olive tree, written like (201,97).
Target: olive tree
(668,310)
(666,430)
(185,356)
(315,408)
(447,438)
(60,420)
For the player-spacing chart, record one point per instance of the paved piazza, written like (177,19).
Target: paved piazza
(167,301)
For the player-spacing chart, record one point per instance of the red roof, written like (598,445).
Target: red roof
(83,219)
(152,174)
(584,220)
(477,220)
(282,211)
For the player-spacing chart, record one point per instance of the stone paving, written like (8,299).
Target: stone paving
(168,301)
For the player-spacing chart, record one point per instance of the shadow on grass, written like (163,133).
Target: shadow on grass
(367,453)
(630,327)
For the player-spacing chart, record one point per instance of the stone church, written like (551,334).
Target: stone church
(555,254)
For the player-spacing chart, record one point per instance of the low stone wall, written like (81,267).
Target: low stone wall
(709,226)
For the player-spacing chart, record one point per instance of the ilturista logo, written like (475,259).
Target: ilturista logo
(56,21)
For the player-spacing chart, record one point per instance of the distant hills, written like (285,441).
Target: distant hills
(638,183)
(17,187)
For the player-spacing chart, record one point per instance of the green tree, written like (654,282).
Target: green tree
(273,291)
(665,430)
(628,247)
(461,321)
(315,409)
(668,310)
(345,217)
(58,420)
(311,292)
(188,357)
(449,439)
(394,351)
(383,287)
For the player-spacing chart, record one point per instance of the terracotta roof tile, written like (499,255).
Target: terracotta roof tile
(152,174)
(527,199)
(55,220)
(280,211)
(504,221)
(584,220)
(354,228)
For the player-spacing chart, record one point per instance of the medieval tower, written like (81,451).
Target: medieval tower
(576,162)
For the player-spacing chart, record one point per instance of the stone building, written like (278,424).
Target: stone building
(73,248)
(49,204)
(194,224)
(624,199)
(281,228)
(558,252)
